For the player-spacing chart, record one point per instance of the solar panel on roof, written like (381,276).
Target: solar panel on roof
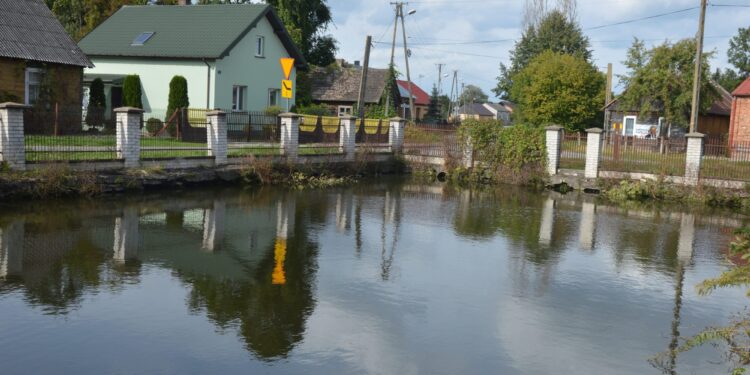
(142,38)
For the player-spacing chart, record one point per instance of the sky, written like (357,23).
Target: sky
(438,25)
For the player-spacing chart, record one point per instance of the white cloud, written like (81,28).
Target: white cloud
(462,20)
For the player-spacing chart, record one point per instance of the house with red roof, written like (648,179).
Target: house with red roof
(421,100)
(739,123)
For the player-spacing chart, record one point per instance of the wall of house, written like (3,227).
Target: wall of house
(740,122)
(155,75)
(713,125)
(258,74)
(65,81)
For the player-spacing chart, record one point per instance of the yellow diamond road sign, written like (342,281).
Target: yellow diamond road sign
(286,89)
(286,64)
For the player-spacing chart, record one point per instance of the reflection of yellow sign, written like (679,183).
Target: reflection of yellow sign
(279,255)
(286,64)
(286,89)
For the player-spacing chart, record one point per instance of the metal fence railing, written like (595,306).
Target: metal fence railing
(319,135)
(67,133)
(573,151)
(373,134)
(724,161)
(181,134)
(253,134)
(432,140)
(663,156)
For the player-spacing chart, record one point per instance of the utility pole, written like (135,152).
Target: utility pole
(698,70)
(391,67)
(363,81)
(453,98)
(607,98)
(440,78)
(406,59)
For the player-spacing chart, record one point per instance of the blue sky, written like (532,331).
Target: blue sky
(441,21)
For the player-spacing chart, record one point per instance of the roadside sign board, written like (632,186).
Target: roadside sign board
(286,64)
(286,89)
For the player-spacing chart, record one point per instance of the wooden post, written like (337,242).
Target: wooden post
(698,70)
(363,81)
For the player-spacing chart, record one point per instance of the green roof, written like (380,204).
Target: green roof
(193,31)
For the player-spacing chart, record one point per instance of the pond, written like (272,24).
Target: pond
(387,277)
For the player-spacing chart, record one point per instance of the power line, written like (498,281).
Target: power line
(642,18)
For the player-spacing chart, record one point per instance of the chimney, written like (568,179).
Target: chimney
(356,63)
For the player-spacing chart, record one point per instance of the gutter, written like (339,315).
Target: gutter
(208,83)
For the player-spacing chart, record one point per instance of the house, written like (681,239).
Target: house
(486,111)
(420,97)
(739,124)
(714,123)
(229,55)
(337,86)
(38,57)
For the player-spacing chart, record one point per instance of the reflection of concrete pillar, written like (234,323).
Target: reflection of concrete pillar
(548,220)
(344,208)
(390,207)
(11,249)
(126,235)
(213,226)
(687,238)
(588,226)
(285,217)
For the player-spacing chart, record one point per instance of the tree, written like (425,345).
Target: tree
(739,52)
(306,22)
(728,79)
(178,95)
(433,109)
(79,17)
(557,88)
(661,80)
(472,94)
(97,103)
(534,11)
(131,91)
(555,32)
(445,106)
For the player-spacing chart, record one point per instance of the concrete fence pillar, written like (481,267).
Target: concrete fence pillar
(396,134)
(12,148)
(468,153)
(290,135)
(554,136)
(126,235)
(693,158)
(216,133)
(347,134)
(129,135)
(593,152)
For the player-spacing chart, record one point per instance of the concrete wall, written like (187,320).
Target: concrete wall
(259,74)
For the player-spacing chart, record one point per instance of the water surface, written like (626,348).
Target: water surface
(383,278)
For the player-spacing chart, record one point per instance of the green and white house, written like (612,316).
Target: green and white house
(229,55)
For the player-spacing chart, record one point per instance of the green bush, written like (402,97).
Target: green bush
(314,109)
(131,91)
(513,147)
(97,103)
(153,125)
(178,95)
(273,110)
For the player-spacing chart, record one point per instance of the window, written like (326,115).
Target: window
(345,110)
(273,97)
(238,97)
(260,44)
(34,78)
(142,38)
(629,122)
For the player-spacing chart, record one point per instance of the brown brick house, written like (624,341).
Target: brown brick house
(40,65)
(739,127)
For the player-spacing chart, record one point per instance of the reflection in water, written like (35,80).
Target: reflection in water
(250,261)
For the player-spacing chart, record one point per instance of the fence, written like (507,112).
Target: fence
(253,133)
(432,140)
(180,134)
(67,133)
(663,156)
(722,161)
(573,151)
(373,134)
(319,135)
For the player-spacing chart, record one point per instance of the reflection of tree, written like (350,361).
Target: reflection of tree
(271,317)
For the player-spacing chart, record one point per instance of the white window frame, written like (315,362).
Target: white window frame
(625,128)
(239,96)
(347,110)
(27,84)
(275,93)
(260,46)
